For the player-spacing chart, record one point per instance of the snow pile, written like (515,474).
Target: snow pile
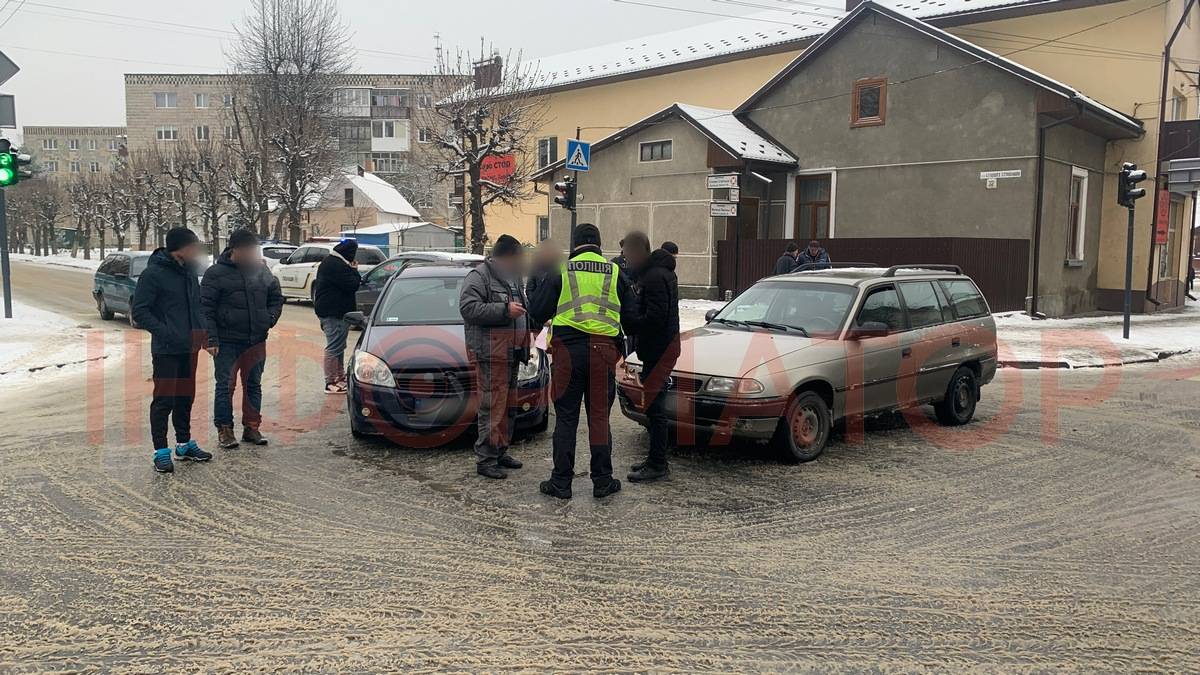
(35,342)
(1093,341)
(62,259)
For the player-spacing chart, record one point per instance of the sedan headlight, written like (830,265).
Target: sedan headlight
(733,385)
(531,369)
(370,369)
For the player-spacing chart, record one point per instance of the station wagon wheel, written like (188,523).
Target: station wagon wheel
(962,395)
(106,314)
(804,430)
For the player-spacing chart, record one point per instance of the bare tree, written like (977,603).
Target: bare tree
(83,197)
(495,116)
(34,207)
(210,179)
(289,54)
(249,185)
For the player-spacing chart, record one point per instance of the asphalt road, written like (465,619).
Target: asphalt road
(1059,531)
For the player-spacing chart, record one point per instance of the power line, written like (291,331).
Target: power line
(108,58)
(705,13)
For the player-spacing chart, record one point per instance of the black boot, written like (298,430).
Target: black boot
(549,488)
(491,471)
(509,462)
(613,487)
(646,473)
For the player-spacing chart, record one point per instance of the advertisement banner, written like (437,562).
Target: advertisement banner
(1162,220)
(498,168)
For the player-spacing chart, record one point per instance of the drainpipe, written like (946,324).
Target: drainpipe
(1038,199)
(1162,127)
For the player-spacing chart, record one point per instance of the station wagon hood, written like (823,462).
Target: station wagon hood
(732,352)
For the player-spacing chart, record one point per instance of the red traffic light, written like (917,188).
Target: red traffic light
(566,190)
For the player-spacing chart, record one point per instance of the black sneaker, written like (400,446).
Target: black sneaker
(162,461)
(491,471)
(646,473)
(613,487)
(639,466)
(509,462)
(549,488)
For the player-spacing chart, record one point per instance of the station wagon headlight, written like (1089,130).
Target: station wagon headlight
(370,369)
(531,369)
(733,385)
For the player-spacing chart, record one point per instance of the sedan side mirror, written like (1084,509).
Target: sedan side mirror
(869,329)
(711,314)
(356,319)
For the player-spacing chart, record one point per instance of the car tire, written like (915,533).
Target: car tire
(962,395)
(805,428)
(106,314)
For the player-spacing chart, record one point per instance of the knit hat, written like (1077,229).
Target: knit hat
(587,234)
(347,248)
(179,237)
(506,245)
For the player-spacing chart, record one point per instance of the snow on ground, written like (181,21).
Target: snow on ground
(691,312)
(36,344)
(62,259)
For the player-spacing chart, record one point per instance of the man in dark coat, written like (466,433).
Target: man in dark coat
(493,308)
(814,255)
(166,303)
(333,297)
(787,261)
(655,326)
(242,303)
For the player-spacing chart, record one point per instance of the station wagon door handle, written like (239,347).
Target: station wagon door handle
(906,352)
(956,342)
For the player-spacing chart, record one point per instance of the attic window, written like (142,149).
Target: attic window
(869,103)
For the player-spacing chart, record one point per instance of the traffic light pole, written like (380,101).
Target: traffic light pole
(575,216)
(5,271)
(1128,276)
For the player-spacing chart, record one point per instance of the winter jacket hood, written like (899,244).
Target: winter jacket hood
(166,302)
(240,305)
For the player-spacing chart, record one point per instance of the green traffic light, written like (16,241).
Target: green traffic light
(6,159)
(7,176)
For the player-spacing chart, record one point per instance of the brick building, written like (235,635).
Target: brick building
(66,151)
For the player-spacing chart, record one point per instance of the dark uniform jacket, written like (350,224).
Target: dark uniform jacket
(166,303)
(334,287)
(240,306)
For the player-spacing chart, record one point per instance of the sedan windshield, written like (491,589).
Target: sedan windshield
(421,302)
(812,309)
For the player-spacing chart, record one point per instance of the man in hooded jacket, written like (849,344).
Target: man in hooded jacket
(655,328)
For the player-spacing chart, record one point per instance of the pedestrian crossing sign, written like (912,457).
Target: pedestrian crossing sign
(579,155)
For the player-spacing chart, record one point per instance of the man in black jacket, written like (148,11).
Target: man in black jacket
(787,261)
(655,327)
(166,303)
(242,302)
(333,297)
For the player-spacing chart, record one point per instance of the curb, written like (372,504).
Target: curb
(1035,364)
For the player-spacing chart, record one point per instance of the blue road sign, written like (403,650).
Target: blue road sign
(579,155)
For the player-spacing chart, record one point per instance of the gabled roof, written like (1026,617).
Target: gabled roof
(788,27)
(1131,126)
(389,228)
(383,194)
(719,126)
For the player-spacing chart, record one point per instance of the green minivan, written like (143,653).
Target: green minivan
(115,280)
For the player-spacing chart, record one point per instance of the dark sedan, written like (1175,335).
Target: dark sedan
(410,377)
(374,280)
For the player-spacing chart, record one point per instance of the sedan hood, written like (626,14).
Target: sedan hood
(732,352)
(418,348)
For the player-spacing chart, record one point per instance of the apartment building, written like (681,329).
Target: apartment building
(378,130)
(69,151)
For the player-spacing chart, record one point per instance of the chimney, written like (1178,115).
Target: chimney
(488,73)
(361,169)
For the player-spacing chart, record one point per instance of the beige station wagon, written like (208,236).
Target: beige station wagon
(796,353)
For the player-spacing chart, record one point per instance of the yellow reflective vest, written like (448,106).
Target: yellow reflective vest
(589,301)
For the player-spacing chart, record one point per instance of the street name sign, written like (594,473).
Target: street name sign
(723,181)
(723,210)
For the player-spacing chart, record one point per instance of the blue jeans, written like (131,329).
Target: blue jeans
(236,360)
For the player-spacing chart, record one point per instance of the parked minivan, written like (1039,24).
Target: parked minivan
(795,353)
(115,280)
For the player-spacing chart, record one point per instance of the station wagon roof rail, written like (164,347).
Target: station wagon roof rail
(891,271)
(808,267)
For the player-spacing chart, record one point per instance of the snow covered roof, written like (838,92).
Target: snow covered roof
(719,126)
(383,194)
(1129,126)
(776,29)
(389,228)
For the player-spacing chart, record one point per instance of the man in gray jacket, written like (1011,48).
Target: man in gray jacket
(493,308)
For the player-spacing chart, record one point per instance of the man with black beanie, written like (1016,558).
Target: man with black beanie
(493,308)
(586,303)
(333,297)
(242,302)
(166,302)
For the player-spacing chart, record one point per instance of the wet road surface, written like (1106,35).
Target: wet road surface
(1035,538)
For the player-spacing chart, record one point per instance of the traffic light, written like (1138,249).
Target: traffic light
(11,162)
(1127,190)
(566,193)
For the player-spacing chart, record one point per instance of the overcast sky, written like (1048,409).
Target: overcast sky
(97,41)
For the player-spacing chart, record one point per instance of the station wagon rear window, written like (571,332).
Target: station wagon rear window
(966,300)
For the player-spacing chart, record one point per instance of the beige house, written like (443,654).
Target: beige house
(358,199)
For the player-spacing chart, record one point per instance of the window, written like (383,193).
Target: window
(166,134)
(813,195)
(354,97)
(315,255)
(201,100)
(355,132)
(424,135)
(348,199)
(230,133)
(93,144)
(113,145)
(50,166)
(387,162)
(656,151)
(383,129)
(869,102)
(368,256)
(73,167)
(421,301)
(816,307)
(424,101)
(547,151)
(202,133)
(106,266)
(119,266)
(1178,105)
(164,99)
(49,143)
(227,100)
(543,228)
(424,201)
(924,305)
(391,98)
(1076,213)
(73,144)
(95,167)
(883,306)
(965,299)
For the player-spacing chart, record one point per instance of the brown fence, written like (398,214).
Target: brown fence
(999,266)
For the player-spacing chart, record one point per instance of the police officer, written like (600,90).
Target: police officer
(585,305)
